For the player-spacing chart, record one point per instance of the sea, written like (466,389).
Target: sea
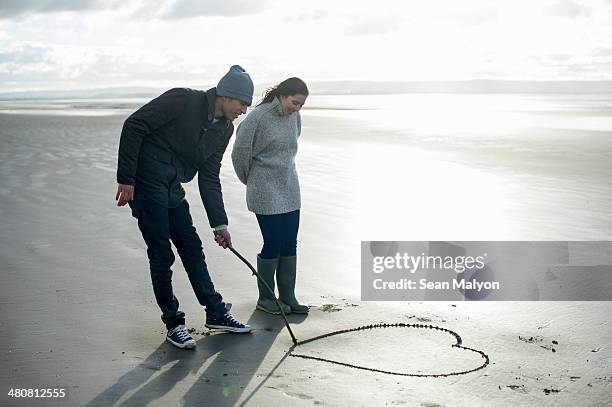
(403,166)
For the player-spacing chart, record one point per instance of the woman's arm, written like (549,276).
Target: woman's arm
(299,124)
(242,153)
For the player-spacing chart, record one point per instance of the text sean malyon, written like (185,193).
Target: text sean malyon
(424,284)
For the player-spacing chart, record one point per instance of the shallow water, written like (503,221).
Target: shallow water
(474,167)
(392,167)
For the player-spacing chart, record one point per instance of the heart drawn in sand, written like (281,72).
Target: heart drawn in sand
(458,345)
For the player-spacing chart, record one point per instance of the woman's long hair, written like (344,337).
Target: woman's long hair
(288,87)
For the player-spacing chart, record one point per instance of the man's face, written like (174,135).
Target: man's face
(232,108)
(292,103)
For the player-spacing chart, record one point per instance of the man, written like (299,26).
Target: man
(163,144)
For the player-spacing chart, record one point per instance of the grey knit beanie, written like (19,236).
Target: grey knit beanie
(236,84)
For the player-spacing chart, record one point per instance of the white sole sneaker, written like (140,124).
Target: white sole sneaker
(186,345)
(244,330)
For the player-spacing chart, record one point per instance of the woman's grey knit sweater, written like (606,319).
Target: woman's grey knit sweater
(264,159)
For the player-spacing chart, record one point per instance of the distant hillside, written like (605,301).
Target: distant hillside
(350,88)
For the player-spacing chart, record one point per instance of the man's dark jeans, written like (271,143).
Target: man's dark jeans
(159,225)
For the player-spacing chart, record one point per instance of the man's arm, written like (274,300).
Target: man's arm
(212,197)
(210,189)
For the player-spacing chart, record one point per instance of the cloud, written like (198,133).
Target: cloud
(373,26)
(229,8)
(559,57)
(173,10)
(589,70)
(307,16)
(23,55)
(84,66)
(569,9)
(27,63)
(477,17)
(602,51)
(21,8)
(576,66)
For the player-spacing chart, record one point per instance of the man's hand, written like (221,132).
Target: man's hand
(223,238)
(125,193)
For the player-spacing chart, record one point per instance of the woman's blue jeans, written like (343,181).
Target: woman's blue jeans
(279,233)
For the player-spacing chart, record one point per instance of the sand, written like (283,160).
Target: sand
(80,312)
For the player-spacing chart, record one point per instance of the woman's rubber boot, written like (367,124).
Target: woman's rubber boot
(285,276)
(266,269)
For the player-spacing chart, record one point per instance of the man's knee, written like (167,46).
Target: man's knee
(190,249)
(160,258)
(190,258)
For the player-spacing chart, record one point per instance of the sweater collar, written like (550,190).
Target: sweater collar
(276,106)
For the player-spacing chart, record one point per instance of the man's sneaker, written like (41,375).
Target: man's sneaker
(179,337)
(227,323)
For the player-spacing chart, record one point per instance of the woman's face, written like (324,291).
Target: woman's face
(292,103)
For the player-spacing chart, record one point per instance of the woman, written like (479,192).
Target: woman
(264,160)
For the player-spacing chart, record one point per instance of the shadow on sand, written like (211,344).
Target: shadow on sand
(237,359)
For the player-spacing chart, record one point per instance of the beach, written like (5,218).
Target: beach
(81,316)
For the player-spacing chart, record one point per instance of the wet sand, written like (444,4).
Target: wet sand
(80,312)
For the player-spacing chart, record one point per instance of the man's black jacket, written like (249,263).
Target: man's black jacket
(169,140)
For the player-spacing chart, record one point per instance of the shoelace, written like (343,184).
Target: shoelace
(181,332)
(232,321)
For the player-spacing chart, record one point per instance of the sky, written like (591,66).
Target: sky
(90,44)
